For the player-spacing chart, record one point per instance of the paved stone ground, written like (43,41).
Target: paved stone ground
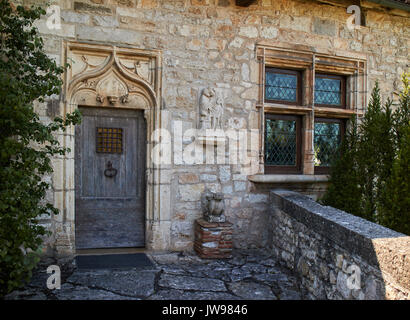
(176,276)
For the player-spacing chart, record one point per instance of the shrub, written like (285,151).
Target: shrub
(344,178)
(27,145)
(371,177)
(395,204)
(375,153)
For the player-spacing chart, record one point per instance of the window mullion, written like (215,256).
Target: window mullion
(308,150)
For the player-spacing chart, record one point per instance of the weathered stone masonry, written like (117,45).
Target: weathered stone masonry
(336,255)
(211,43)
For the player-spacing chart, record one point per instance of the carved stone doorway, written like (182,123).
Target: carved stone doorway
(106,77)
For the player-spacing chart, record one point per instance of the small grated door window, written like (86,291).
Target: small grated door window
(109,140)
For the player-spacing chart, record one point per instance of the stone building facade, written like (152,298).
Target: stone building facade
(202,64)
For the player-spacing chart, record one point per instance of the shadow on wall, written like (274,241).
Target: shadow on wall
(336,255)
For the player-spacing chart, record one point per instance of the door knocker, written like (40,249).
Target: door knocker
(110,172)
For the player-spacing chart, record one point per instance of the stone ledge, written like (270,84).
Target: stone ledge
(379,246)
(288,178)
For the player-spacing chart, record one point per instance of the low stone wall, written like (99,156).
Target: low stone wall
(337,255)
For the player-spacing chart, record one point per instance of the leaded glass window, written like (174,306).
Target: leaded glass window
(329,90)
(282,142)
(282,86)
(327,138)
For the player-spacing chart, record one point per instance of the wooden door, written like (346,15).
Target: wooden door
(110,155)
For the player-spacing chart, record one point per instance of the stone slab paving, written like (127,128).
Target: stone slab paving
(252,275)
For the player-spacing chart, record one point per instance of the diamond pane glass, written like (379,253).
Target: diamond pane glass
(280,142)
(327,139)
(328,91)
(280,86)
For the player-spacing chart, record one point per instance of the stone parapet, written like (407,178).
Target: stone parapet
(337,255)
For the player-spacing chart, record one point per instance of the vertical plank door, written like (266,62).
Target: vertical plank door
(110,155)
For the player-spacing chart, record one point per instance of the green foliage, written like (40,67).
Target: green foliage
(375,153)
(371,177)
(395,200)
(27,145)
(344,178)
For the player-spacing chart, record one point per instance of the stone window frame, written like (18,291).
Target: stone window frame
(351,65)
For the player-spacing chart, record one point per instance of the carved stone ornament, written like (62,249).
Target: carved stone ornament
(236,123)
(112,99)
(99,99)
(211,109)
(213,206)
(124,98)
(109,76)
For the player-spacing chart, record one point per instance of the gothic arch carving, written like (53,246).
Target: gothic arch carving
(109,76)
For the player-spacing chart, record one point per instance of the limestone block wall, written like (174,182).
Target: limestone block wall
(337,255)
(211,43)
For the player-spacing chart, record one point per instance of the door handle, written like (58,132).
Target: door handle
(110,172)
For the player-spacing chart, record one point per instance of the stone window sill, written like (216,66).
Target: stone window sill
(288,178)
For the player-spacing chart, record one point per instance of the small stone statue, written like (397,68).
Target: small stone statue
(211,109)
(213,206)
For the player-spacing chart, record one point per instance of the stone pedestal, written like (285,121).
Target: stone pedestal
(213,239)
